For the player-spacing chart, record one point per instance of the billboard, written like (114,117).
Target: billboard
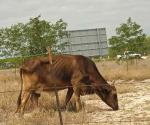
(89,42)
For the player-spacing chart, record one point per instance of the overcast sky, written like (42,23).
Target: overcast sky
(79,14)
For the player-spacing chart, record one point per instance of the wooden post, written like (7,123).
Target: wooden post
(58,106)
(49,56)
(136,62)
(127,65)
(15,71)
(56,92)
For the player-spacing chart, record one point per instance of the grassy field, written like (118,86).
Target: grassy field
(137,70)
(133,91)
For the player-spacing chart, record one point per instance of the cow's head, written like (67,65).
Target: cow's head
(108,94)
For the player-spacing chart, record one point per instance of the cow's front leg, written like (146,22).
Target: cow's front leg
(68,96)
(77,98)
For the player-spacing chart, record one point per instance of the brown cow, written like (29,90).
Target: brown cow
(76,73)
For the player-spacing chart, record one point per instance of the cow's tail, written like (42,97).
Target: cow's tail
(19,97)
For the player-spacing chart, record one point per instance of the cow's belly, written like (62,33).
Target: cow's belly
(51,87)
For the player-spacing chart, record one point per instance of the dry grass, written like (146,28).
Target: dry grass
(125,88)
(93,108)
(111,70)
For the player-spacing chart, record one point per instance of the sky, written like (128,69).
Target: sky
(79,14)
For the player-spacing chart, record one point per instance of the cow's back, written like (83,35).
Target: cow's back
(63,69)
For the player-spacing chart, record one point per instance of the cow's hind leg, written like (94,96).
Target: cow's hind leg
(24,99)
(18,102)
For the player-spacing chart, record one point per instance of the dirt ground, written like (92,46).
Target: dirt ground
(134,103)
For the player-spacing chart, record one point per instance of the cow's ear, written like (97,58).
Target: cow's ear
(105,89)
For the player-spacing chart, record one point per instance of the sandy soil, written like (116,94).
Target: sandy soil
(134,106)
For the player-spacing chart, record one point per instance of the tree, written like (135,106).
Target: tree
(147,45)
(32,38)
(129,36)
(11,39)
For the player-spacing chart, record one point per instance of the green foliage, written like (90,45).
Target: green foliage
(16,61)
(147,45)
(129,36)
(10,62)
(31,38)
